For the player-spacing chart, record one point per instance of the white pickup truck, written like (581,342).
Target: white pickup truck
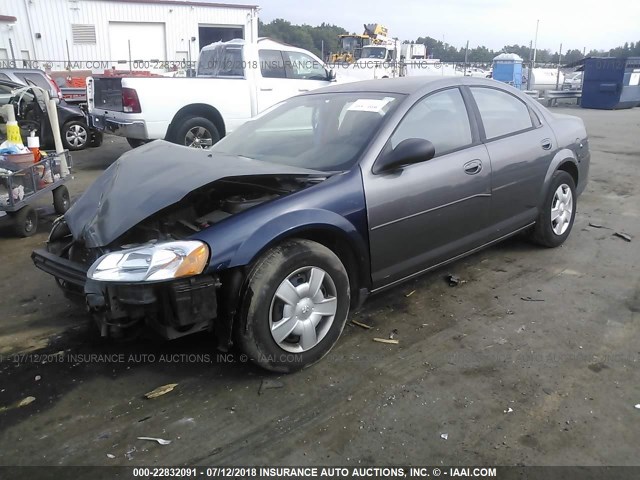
(236,80)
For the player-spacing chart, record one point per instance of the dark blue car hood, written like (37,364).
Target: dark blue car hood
(150,178)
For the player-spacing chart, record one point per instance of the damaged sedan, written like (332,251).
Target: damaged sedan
(273,235)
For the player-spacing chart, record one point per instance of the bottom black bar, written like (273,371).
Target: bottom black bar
(371,472)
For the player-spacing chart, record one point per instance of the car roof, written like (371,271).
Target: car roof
(408,85)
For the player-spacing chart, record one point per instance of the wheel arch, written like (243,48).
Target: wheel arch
(571,168)
(201,110)
(236,272)
(565,161)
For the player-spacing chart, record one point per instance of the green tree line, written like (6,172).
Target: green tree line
(323,39)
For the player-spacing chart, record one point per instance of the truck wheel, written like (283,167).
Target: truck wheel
(25,221)
(196,132)
(75,135)
(135,142)
(61,200)
(558,212)
(96,139)
(294,307)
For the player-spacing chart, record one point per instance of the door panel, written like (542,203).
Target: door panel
(519,166)
(273,85)
(520,149)
(428,212)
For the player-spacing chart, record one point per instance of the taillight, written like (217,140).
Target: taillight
(130,102)
(54,85)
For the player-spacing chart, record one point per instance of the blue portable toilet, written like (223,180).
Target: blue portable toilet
(507,67)
(611,83)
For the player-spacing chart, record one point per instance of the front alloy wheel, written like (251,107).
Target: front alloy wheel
(303,309)
(294,306)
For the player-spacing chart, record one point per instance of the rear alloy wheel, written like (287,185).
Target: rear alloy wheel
(558,212)
(75,135)
(197,132)
(295,306)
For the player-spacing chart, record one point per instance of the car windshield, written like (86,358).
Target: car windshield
(325,132)
(374,52)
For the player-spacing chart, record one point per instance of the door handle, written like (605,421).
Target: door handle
(303,89)
(266,89)
(546,144)
(473,167)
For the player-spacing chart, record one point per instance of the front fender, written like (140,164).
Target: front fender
(334,209)
(296,223)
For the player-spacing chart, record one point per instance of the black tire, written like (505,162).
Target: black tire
(75,135)
(203,127)
(543,231)
(259,301)
(61,200)
(25,222)
(135,142)
(96,139)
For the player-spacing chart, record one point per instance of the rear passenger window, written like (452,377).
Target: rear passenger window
(271,64)
(501,112)
(440,118)
(34,78)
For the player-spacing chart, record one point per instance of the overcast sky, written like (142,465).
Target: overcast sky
(600,24)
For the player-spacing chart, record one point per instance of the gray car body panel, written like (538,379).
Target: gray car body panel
(417,217)
(426,214)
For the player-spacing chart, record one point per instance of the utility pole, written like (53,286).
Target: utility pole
(530,65)
(559,62)
(535,42)
(466,58)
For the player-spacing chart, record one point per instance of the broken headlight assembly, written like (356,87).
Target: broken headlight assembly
(152,263)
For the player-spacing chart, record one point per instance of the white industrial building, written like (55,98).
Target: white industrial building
(100,34)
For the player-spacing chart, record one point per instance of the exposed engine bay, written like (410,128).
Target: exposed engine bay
(180,306)
(209,205)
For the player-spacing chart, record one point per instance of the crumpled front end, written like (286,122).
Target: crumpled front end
(125,248)
(172,308)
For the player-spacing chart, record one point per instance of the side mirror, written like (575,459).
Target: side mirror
(407,152)
(331,75)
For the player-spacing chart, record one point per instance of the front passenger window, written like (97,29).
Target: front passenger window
(440,118)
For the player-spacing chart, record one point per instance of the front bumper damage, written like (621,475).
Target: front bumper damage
(172,309)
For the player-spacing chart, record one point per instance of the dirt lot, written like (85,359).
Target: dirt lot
(533,360)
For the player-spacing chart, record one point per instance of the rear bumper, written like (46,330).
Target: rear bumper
(133,129)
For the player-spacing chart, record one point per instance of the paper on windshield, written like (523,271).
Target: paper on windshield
(375,105)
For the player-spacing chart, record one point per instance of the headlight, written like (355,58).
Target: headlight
(151,263)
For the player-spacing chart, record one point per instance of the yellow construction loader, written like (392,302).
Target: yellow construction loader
(350,45)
